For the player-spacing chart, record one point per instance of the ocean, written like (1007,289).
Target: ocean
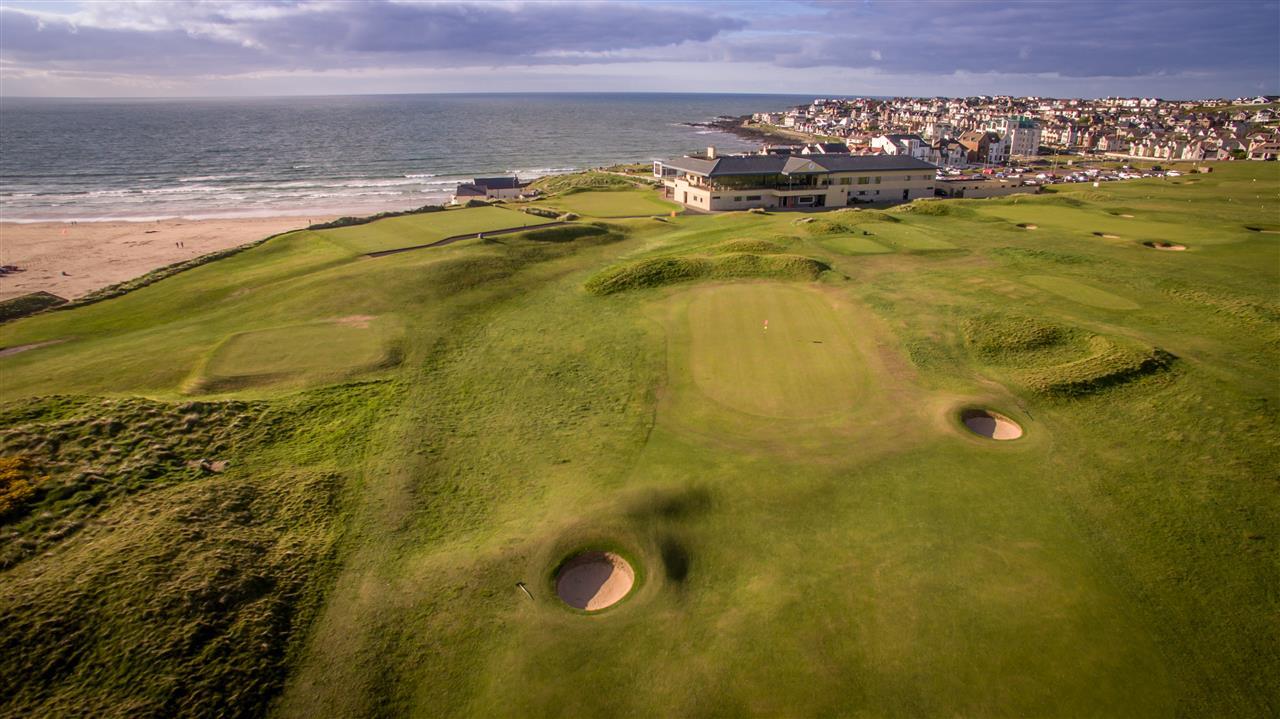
(142,159)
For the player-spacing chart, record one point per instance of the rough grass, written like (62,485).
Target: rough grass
(1109,363)
(660,271)
(583,181)
(1031,253)
(843,222)
(759,247)
(1005,339)
(138,584)
(29,304)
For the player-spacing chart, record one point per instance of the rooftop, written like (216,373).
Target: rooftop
(728,165)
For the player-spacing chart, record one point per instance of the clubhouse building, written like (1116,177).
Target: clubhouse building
(714,182)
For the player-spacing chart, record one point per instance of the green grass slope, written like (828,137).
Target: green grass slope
(815,531)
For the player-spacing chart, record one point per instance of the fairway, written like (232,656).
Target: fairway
(428,227)
(772,350)
(1081,292)
(616,203)
(302,352)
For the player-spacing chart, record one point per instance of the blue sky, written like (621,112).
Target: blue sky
(1169,49)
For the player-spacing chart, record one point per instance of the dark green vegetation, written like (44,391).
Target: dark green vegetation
(305,482)
(29,304)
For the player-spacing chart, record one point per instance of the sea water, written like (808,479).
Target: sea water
(101,159)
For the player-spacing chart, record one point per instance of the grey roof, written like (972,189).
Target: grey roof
(498,183)
(794,165)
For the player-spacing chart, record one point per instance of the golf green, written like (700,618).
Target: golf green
(772,350)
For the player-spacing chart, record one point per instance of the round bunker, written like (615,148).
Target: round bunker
(1027,226)
(992,425)
(594,580)
(1166,246)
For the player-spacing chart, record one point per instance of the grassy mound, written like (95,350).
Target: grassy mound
(843,222)
(759,247)
(564,233)
(581,182)
(89,452)
(138,584)
(660,271)
(1020,340)
(931,207)
(1109,363)
(29,304)
(1028,253)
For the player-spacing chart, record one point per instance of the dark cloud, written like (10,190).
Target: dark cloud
(1234,45)
(1078,39)
(206,39)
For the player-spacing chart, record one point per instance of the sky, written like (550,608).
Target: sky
(1170,48)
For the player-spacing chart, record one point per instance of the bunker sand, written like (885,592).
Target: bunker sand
(594,580)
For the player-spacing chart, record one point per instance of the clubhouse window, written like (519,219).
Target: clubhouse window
(752,198)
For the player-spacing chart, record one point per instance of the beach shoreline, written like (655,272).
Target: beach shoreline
(72,259)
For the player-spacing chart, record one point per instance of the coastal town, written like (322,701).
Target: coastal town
(997,130)
(845,152)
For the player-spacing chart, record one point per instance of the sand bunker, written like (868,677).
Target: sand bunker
(594,580)
(1104,234)
(1122,214)
(1266,230)
(1028,226)
(990,424)
(1167,246)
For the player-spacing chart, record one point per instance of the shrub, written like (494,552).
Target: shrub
(540,212)
(28,304)
(17,484)
(350,221)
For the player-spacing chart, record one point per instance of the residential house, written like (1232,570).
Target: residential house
(489,188)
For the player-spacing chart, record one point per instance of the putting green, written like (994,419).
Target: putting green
(853,245)
(300,352)
(1080,292)
(615,203)
(802,366)
(911,239)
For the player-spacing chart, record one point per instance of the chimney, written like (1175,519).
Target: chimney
(711,152)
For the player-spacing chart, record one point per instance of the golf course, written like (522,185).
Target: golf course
(971,458)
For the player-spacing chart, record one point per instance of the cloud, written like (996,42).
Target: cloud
(1116,47)
(169,38)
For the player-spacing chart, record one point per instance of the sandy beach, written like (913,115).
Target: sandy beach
(73,259)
